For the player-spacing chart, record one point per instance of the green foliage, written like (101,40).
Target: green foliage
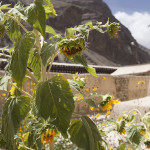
(13,30)
(90,102)
(47,51)
(4,83)
(84,133)
(34,63)
(133,133)
(20,57)
(54,99)
(49,29)
(36,16)
(80,59)
(14,111)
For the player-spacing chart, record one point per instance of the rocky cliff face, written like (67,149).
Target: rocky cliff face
(106,51)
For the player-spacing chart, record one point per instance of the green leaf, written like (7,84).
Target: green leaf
(50,9)
(133,133)
(36,16)
(4,6)
(74,84)
(4,83)
(92,71)
(70,32)
(49,29)
(13,31)
(18,11)
(47,51)
(90,102)
(84,133)
(122,146)
(1,16)
(14,111)
(54,99)
(20,57)
(34,63)
(80,59)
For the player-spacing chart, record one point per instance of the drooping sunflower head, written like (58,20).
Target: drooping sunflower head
(113,29)
(73,46)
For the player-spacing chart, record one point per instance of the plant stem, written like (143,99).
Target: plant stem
(38,45)
(32,76)
(21,25)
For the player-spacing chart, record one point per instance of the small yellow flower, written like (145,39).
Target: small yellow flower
(143,82)
(4,94)
(104,78)
(31,90)
(111,148)
(88,115)
(108,113)
(94,89)
(77,74)
(98,115)
(123,132)
(80,98)
(98,109)
(20,130)
(19,134)
(92,108)
(119,118)
(142,132)
(87,90)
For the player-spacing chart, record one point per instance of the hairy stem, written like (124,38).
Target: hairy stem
(16,20)
(52,145)
(38,45)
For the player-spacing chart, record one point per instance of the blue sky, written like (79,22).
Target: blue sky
(135,15)
(128,6)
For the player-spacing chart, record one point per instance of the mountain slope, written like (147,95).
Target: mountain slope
(109,51)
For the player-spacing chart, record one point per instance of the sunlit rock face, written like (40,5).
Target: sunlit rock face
(113,52)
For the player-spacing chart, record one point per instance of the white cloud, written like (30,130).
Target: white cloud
(138,24)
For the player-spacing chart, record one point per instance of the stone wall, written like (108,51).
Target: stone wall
(121,87)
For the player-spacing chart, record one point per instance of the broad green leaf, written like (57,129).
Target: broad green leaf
(92,71)
(13,30)
(50,9)
(4,48)
(18,11)
(4,83)
(47,51)
(36,16)
(90,102)
(49,29)
(20,57)
(14,111)
(74,84)
(80,59)
(133,133)
(54,99)
(84,133)
(4,6)
(34,63)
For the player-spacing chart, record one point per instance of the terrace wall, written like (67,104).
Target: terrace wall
(123,88)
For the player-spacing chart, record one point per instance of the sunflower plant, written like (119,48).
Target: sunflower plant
(32,121)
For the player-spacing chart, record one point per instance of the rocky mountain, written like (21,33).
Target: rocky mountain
(102,50)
